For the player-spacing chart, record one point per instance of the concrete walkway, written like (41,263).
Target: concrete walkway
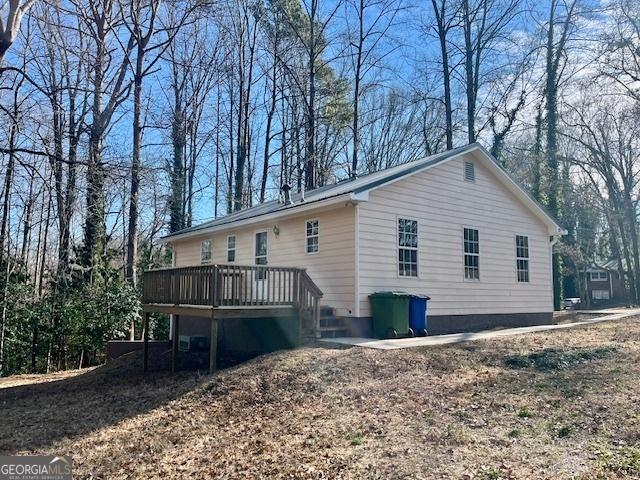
(610,314)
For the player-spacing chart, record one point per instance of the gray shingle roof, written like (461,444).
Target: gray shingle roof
(351,185)
(355,186)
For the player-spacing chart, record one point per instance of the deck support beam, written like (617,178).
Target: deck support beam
(174,342)
(145,345)
(213,343)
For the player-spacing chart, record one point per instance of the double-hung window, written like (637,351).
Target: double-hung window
(261,254)
(261,248)
(313,236)
(471,254)
(206,249)
(407,247)
(522,258)
(231,248)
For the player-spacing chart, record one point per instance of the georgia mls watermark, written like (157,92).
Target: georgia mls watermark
(32,467)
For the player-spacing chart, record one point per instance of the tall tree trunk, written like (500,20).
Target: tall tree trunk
(551,95)
(469,75)
(132,230)
(270,114)
(536,183)
(356,91)
(442,31)
(8,179)
(176,219)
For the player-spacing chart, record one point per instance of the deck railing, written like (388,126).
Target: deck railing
(231,285)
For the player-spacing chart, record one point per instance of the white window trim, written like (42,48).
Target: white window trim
(515,247)
(419,270)
(464,277)
(235,248)
(306,236)
(255,233)
(210,260)
(599,279)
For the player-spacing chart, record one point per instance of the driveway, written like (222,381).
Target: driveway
(394,344)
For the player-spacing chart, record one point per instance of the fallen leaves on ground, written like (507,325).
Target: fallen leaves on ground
(458,412)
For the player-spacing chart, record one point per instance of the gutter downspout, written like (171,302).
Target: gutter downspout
(552,241)
(356,257)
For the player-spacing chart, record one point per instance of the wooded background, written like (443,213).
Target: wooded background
(127,119)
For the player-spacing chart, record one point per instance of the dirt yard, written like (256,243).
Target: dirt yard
(555,405)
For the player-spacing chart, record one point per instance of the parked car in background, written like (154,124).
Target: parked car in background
(571,303)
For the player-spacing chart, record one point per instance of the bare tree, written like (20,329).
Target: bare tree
(484,25)
(446,19)
(561,15)
(110,88)
(11,13)
(375,19)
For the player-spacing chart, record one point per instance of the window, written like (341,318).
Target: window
(313,236)
(205,251)
(231,248)
(522,258)
(599,276)
(261,248)
(600,294)
(407,247)
(261,254)
(471,254)
(469,172)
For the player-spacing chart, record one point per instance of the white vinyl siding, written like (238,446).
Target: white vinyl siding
(444,203)
(332,268)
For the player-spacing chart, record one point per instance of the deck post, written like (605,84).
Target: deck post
(213,343)
(174,343)
(316,317)
(145,344)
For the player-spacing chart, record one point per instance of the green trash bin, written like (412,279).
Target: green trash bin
(390,314)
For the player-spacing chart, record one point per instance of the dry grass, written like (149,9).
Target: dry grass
(462,412)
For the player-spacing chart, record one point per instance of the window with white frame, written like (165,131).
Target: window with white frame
(313,236)
(261,254)
(206,249)
(261,248)
(231,248)
(471,254)
(407,247)
(599,276)
(522,258)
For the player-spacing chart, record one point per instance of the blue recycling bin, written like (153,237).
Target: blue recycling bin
(418,314)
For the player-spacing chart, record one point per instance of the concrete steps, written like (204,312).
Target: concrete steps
(332,326)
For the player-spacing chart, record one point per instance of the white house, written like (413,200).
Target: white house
(454,226)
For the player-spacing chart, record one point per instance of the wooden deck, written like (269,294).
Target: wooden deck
(228,291)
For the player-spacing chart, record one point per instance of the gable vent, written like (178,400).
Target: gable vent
(469,172)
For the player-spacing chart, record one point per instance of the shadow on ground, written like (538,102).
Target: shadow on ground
(37,415)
